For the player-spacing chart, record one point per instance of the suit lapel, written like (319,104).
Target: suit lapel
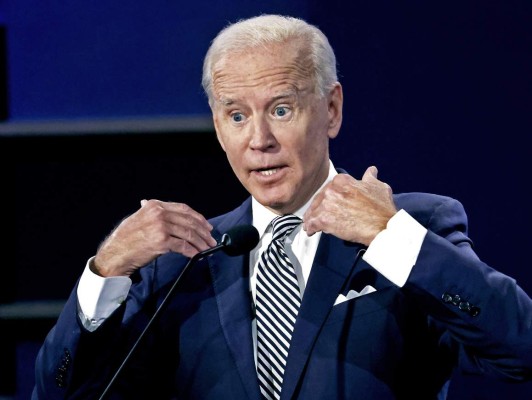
(231,286)
(230,276)
(326,280)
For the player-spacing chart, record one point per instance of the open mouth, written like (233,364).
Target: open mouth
(267,171)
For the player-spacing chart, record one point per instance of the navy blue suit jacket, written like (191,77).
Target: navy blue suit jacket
(393,343)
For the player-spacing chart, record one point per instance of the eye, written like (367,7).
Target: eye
(237,117)
(281,111)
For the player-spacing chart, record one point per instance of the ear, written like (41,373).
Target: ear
(217,129)
(335,103)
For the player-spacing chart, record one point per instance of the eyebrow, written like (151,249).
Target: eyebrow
(226,101)
(284,95)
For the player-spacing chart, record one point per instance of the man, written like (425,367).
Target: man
(389,296)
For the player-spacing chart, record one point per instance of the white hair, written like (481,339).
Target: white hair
(266,30)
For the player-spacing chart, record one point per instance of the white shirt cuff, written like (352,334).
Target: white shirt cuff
(394,251)
(99,297)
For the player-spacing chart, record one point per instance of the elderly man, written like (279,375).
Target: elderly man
(351,292)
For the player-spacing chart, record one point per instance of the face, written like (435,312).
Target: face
(272,125)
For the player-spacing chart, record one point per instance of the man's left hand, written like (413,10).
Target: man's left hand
(351,209)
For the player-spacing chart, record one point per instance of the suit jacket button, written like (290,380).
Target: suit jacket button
(464,306)
(446,297)
(456,300)
(59,380)
(474,311)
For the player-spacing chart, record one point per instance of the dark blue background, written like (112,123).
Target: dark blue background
(437,95)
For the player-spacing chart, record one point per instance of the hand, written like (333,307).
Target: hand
(156,228)
(351,209)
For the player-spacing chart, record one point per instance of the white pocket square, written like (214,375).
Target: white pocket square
(353,293)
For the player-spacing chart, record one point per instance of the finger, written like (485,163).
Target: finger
(309,226)
(185,248)
(143,202)
(184,223)
(190,225)
(311,212)
(197,237)
(310,218)
(180,210)
(371,173)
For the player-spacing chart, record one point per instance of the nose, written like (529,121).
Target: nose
(261,137)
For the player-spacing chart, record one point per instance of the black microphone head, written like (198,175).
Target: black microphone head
(240,239)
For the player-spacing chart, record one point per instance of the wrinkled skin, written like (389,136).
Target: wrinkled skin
(275,130)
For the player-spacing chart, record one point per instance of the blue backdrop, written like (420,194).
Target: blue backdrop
(437,95)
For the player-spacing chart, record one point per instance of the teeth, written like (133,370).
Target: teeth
(268,172)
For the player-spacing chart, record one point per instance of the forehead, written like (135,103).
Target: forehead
(273,69)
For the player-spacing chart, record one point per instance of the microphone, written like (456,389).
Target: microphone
(238,240)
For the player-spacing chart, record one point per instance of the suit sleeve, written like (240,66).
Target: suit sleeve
(480,311)
(67,362)
(75,363)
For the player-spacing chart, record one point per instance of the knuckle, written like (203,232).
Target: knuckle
(341,179)
(183,207)
(159,239)
(188,234)
(338,182)
(153,205)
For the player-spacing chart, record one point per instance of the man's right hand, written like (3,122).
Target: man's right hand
(156,228)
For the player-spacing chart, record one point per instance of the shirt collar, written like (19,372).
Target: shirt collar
(262,216)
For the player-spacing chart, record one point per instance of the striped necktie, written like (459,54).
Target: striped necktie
(277,304)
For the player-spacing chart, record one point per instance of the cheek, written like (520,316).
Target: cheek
(311,147)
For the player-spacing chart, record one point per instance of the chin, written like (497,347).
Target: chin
(276,205)
(279,202)
(281,207)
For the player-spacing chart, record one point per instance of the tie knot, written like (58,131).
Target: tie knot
(283,225)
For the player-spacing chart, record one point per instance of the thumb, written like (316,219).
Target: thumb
(143,202)
(371,172)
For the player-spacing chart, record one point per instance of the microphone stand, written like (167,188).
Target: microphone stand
(225,241)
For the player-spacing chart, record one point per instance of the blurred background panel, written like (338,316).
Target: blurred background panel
(101,106)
